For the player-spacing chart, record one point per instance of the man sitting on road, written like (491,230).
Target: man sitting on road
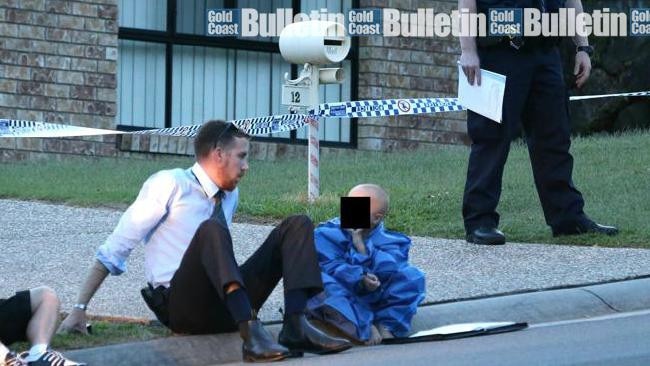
(30,316)
(371,292)
(195,284)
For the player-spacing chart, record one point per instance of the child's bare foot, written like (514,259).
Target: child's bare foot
(377,333)
(375,336)
(385,333)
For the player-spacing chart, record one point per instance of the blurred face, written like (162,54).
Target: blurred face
(231,163)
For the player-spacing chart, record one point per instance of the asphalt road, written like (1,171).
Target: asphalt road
(622,340)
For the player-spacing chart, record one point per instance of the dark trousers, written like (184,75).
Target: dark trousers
(15,315)
(535,99)
(196,294)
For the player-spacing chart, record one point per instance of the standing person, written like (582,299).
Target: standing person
(194,283)
(30,316)
(535,98)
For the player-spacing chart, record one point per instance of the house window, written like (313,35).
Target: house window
(170,74)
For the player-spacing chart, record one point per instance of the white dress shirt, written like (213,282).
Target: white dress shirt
(170,207)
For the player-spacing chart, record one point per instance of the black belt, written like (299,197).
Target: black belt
(518,42)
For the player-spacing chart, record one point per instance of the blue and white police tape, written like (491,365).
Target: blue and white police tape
(20,128)
(388,107)
(401,107)
(635,94)
(272,124)
(251,126)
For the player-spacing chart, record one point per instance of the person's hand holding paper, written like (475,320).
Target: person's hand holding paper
(470,64)
(484,98)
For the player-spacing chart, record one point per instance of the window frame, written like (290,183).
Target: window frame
(170,37)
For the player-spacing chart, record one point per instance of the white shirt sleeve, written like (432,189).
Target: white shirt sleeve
(138,221)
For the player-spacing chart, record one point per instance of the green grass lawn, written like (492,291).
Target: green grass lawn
(104,332)
(425,186)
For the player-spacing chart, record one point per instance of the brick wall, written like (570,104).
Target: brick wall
(400,67)
(58,64)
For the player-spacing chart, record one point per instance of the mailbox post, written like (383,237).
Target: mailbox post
(312,44)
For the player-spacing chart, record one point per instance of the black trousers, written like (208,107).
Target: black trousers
(535,99)
(15,315)
(196,293)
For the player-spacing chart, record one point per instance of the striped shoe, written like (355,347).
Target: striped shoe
(53,358)
(12,359)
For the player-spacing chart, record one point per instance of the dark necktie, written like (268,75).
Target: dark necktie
(217,213)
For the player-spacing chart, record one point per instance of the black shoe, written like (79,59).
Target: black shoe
(587,226)
(259,345)
(300,336)
(486,236)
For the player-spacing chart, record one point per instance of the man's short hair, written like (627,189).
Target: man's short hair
(215,133)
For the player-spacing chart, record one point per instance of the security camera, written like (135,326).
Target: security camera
(314,42)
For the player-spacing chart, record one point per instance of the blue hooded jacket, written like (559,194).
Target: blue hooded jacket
(349,306)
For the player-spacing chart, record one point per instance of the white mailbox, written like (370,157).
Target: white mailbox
(314,42)
(311,44)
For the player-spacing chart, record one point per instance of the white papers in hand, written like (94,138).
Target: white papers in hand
(487,99)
